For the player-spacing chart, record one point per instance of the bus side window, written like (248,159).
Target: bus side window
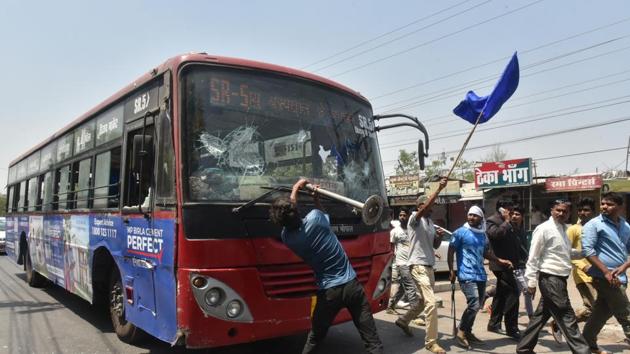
(107,179)
(137,184)
(47,192)
(63,187)
(32,194)
(22,204)
(9,206)
(82,175)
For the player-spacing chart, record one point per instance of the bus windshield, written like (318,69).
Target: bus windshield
(244,130)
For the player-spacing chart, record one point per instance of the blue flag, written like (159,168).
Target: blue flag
(470,108)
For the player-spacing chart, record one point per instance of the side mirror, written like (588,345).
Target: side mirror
(142,151)
(421,154)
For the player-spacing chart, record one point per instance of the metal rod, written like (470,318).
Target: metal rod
(336,196)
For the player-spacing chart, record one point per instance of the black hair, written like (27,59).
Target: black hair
(589,202)
(285,213)
(503,203)
(613,197)
(404,209)
(519,209)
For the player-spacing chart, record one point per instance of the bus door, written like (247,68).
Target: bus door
(144,239)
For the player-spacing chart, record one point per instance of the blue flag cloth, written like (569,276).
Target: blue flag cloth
(470,108)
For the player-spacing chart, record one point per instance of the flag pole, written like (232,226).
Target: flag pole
(461,152)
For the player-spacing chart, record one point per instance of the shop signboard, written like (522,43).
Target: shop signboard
(403,185)
(573,183)
(502,174)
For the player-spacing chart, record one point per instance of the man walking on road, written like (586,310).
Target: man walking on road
(423,240)
(472,246)
(505,243)
(399,239)
(550,262)
(583,282)
(606,244)
(313,240)
(518,215)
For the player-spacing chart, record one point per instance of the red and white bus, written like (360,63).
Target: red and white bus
(133,204)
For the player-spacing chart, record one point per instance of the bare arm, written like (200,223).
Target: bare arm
(296,189)
(429,203)
(449,261)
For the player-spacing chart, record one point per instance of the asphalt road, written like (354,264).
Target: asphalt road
(50,320)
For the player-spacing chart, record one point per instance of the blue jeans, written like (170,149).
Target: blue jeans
(474,291)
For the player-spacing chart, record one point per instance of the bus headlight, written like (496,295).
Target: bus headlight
(384,280)
(234,308)
(381,285)
(215,298)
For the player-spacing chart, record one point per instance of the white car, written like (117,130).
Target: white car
(3,236)
(442,252)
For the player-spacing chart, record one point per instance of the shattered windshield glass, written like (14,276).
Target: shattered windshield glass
(244,130)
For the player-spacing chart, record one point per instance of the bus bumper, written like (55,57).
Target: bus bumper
(267,315)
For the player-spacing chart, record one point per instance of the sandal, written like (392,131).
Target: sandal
(435,348)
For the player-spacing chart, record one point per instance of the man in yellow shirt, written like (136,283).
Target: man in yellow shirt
(583,282)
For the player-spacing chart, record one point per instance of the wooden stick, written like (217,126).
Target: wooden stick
(461,152)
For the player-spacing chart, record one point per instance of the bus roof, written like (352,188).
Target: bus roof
(173,64)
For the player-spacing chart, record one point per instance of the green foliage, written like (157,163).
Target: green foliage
(3,204)
(407,163)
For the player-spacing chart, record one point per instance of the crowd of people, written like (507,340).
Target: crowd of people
(595,249)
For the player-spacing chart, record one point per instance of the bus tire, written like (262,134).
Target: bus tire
(125,330)
(33,278)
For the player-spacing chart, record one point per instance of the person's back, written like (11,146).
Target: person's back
(313,240)
(319,247)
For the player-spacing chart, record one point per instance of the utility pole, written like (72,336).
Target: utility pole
(627,154)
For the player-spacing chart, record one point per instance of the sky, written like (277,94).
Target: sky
(62,58)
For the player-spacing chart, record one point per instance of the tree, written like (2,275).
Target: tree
(441,165)
(407,163)
(496,154)
(3,203)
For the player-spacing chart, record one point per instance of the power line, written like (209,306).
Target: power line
(456,90)
(519,121)
(491,78)
(443,121)
(502,59)
(556,132)
(542,99)
(579,154)
(442,118)
(384,35)
(436,39)
(401,37)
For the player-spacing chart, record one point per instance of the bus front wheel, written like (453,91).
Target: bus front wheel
(125,330)
(33,278)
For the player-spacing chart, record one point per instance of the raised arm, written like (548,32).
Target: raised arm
(422,209)
(296,189)
(497,231)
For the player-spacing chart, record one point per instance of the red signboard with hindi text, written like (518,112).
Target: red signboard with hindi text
(576,183)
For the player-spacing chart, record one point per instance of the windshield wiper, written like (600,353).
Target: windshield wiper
(271,191)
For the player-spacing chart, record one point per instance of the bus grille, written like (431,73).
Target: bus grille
(298,280)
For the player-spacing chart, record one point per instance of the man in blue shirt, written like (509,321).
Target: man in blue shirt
(472,246)
(313,240)
(606,244)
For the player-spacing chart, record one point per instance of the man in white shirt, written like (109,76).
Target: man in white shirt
(423,241)
(550,260)
(399,239)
